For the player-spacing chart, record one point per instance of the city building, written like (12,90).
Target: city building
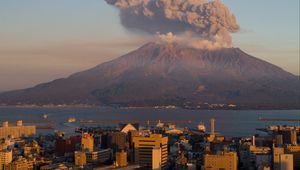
(125,128)
(100,156)
(32,148)
(295,151)
(17,131)
(213,136)
(259,156)
(289,136)
(20,164)
(5,158)
(118,141)
(4,143)
(63,146)
(181,161)
(80,158)
(223,160)
(279,140)
(212,126)
(277,151)
(87,142)
(151,152)
(286,162)
(121,159)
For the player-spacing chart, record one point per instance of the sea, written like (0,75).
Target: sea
(232,123)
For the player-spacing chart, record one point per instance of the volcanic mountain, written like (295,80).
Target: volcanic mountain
(170,74)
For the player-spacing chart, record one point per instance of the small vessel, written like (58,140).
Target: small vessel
(45,116)
(72,120)
(201,127)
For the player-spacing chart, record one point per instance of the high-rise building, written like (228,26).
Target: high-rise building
(289,136)
(277,151)
(80,158)
(293,137)
(212,126)
(121,159)
(87,142)
(20,164)
(151,152)
(132,134)
(118,141)
(224,160)
(63,146)
(259,156)
(100,156)
(5,158)
(286,162)
(32,148)
(278,140)
(17,131)
(213,136)
(295,151)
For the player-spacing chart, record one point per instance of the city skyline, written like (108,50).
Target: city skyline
(43,41)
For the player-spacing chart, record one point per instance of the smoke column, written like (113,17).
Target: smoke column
(198,23)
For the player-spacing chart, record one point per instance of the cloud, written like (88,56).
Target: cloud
(208,21)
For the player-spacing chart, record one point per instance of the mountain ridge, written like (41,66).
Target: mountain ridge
(170,74)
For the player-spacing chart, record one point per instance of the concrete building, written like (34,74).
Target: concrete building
(99,156)
(224,160)
(151,152)
(3,145)
(295,151)
(289,136)
(17,131)
(286,162)
(276,157)
(80,158)
(87,142)
(118,141)
(32,148)
(259,156)
(63,146)
(212,126)
(20,164)
(5,158)
(213,136)
(121,159)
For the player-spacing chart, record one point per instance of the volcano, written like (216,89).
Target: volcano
(171,74)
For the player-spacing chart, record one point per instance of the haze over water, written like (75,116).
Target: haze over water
(228,122)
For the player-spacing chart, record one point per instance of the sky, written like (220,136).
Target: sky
(44,40)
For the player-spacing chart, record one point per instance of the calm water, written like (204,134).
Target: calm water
(228,122)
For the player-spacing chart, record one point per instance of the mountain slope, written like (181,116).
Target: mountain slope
(170,74)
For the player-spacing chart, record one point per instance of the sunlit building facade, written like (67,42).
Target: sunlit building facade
(224,160)
(17,131)
(151,152)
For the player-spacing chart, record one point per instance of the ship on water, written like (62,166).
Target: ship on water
(45,116)
(71,120)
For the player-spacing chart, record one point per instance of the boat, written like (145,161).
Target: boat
(45,116)
(201,127)
(72,120)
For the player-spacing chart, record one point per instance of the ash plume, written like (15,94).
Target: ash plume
(201,23)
